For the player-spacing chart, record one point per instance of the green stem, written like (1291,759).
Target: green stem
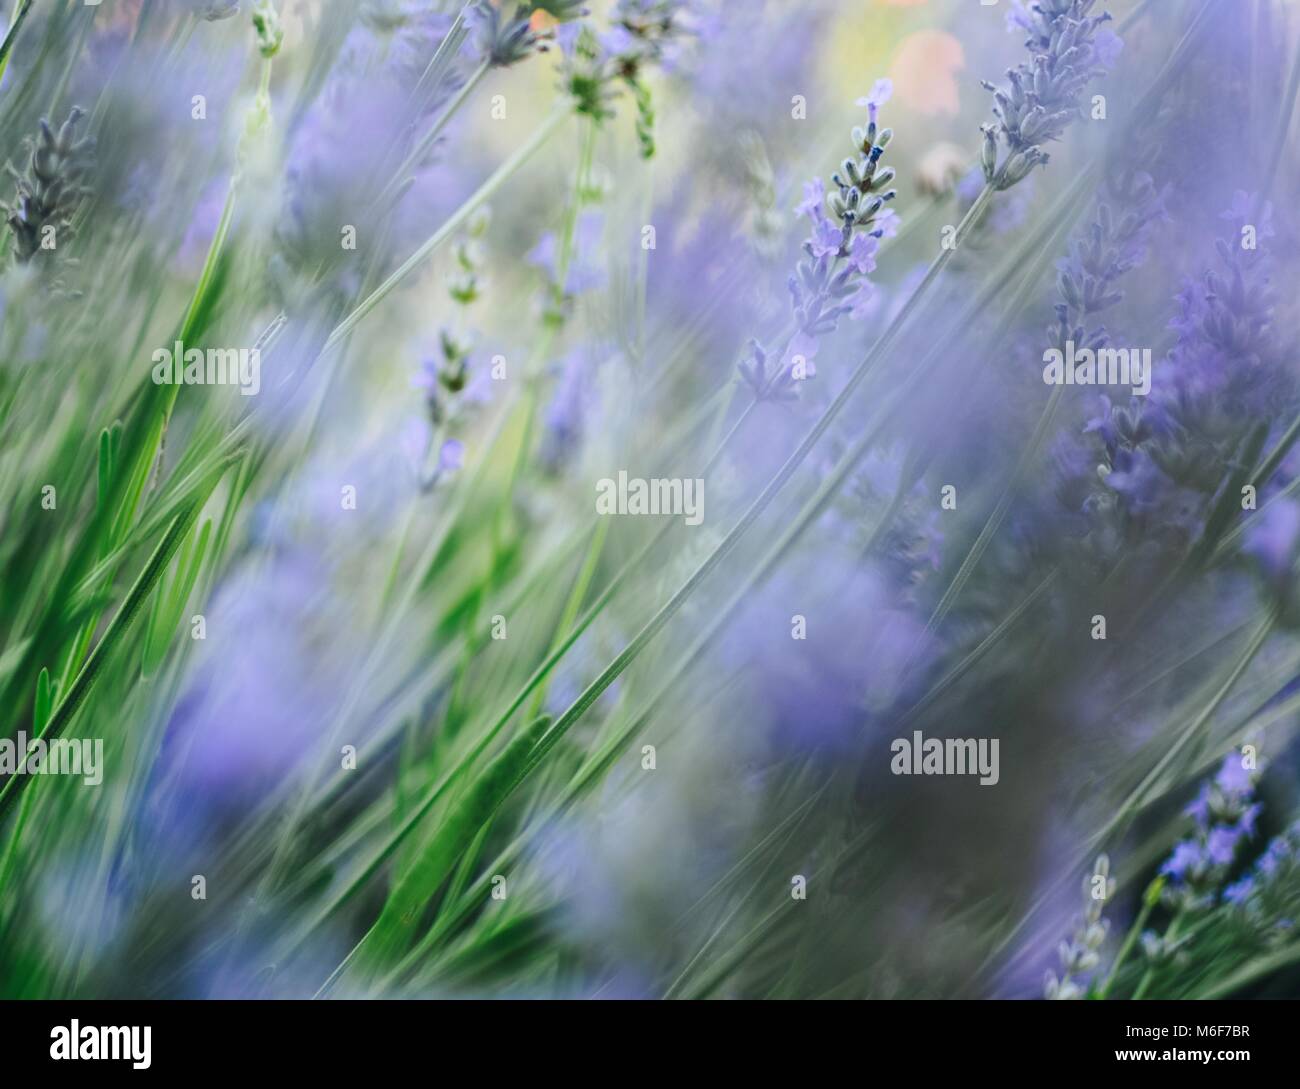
(426,141)
(11,36)
(443,57)
(1253,970)
(1150,974)
(430,245)
(533,376)
(576,596)
(113,635)
(981,543)
(1136,797)
(1149,900)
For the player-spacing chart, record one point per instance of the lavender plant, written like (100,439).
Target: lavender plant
(51,188)
(1163,462)
(381,698)
(1069,47)
(846,228)
(1081,954)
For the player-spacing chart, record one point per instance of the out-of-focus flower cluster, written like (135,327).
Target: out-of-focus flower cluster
(1225,813)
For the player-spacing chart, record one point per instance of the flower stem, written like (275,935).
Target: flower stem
(1136,797)
(452,224)
(442,58)
(427,140)
(89,673)
(1149,900)
(1149,975)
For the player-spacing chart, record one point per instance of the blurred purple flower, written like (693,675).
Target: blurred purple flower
(1234,778)
(1221,844)
(1108,46)
(363,123)
(259,694)
(566,417)
(1273,537)
(861,257)
(1239,891)
(585,271)
(786,36)
(881,91)
(1225,815)
(815,694)
(1185,858)
(814,194)
(451,456)
(826,238)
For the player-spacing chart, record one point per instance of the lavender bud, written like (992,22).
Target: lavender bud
(989,153)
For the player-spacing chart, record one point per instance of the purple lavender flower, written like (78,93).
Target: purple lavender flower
(1226,364)
(251,714)
(1187,857)
(1225,814)
(880,94)
(1221,844)
(584,273)
(451,456)
(814,194)
(769,384)
(1111,247)
(1164,457)
(565,419)
(52,187)
(1234,779)
(1082,953)
(814,694)
(1281,849)
(1068,49)
(1253,890)
(910,550)
(646,31)
(1018,17)
(641,32)
(506,39)
(840,252)
(1239,891)
(342,151)
(1249,816)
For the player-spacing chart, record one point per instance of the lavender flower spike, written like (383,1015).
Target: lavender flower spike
(840,252)
(1225,813)
(1082,953)
(51,189)
(1068,49)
